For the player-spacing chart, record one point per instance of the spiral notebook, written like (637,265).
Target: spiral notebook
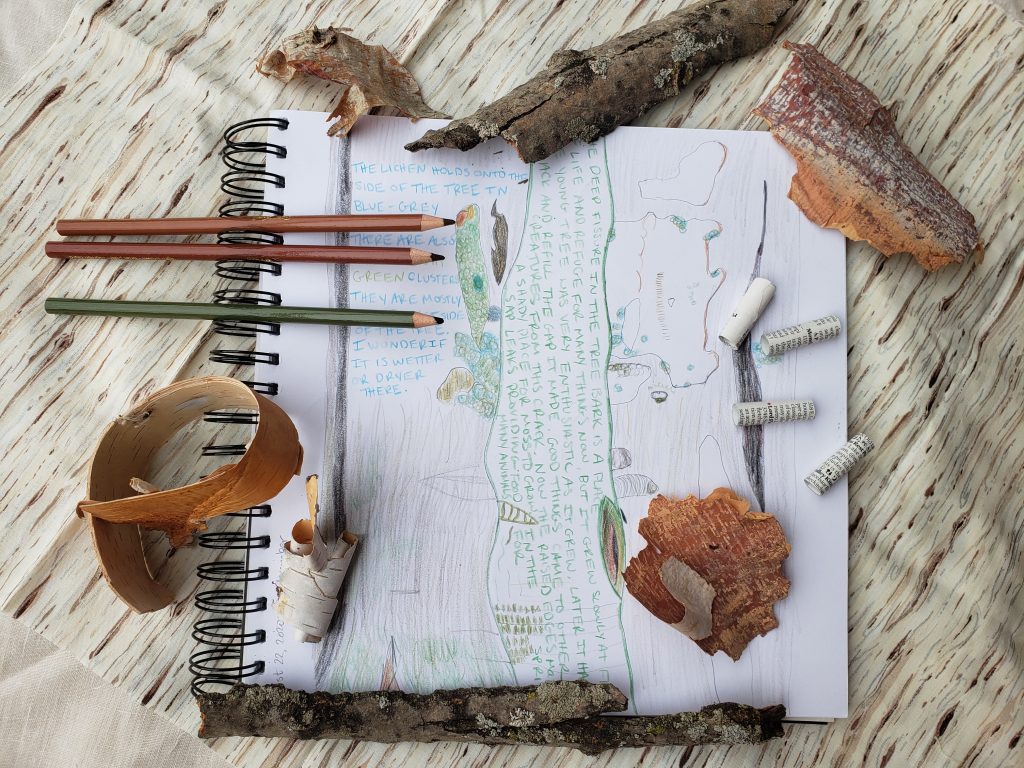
(496,467)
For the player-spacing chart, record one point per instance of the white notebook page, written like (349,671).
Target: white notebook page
(578,362)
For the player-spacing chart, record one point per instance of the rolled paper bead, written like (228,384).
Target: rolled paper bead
(839,463)
(747,311)
(752,414)
(785,339)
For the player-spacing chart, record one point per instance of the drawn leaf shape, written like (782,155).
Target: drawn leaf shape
(510,513)
(467,483)
(458,380)
(729,559)
(627,486)
(613,541)
(389,673)
(470,260)
(499,251)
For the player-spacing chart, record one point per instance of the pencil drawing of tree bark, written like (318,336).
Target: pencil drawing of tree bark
(749,385)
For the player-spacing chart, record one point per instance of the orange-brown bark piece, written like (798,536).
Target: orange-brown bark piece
(119,503)
(739,553)
(854,173)
(370,75)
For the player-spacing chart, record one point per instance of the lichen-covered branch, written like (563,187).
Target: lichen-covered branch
(583,95)
(561,714)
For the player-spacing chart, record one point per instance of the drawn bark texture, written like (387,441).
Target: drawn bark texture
(123,118)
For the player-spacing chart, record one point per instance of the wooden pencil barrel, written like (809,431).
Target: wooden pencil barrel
(397,222)
(252,312)
(325,254)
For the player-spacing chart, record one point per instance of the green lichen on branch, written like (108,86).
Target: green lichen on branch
(562,714)
(583,95)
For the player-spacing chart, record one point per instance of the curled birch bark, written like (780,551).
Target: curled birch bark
(369,75)
(556,714)
(583,95)
(312,574)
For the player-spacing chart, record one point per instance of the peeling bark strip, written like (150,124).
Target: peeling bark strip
(583,95)
(370,75)
(557,714)
(854,173)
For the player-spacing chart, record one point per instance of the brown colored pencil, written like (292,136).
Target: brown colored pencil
(394,222)
(324,254)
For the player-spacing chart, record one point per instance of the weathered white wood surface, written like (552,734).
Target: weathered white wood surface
(124,119)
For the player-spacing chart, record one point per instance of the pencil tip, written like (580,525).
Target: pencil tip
(436,257)
(420,320)
(448,222)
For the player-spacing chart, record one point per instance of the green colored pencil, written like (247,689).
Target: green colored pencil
(254,312)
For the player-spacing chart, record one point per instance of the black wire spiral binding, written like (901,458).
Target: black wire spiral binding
(220,661)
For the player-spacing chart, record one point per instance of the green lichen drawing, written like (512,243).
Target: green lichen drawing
(484,365)
(479,349)
(472,277)
(760,358)
(518,623)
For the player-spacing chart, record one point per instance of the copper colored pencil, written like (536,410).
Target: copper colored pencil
(393,222)
(325,254)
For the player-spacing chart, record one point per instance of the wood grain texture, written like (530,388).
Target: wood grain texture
(123,119)
(854,173)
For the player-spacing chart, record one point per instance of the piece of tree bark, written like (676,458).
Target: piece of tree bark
(131,446)
(583,95)
(370,76)
(855,173)
(557,714)
(734,554)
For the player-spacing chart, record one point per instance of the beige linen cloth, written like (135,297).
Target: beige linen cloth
(122,116)
(55,712)
(27,29)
